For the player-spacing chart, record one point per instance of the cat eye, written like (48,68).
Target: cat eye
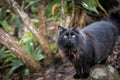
(65,36)
(73,36)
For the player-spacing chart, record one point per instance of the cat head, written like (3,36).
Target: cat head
(69,39)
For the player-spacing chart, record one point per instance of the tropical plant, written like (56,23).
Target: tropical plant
(28,42)
(7,59)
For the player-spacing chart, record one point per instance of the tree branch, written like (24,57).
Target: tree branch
(27,21)
(19,52)
(43,30)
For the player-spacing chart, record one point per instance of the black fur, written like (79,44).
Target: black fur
(91,45)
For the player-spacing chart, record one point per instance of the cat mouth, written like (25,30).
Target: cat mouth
(73,53)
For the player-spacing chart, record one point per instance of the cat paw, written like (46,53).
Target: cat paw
(76,76)
(85,75)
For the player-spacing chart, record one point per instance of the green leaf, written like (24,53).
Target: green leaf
(37,54)
(18,21)
(4,53)
(89,4)
(5,25)
(31,2)
(27,37)
(49,7)
(3,13)
(7,65)
(2,49)
(96,2)
(16,64)
(9,59)
(29,46)
(53,47)
(26,72)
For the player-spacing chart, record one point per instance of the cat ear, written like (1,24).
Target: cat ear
(60,28)
(76,29)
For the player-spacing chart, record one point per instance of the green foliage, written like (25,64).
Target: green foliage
(15,65)
(30,2)
(26,71)
(7,59)
(2,13)
(53,47)
(5,25)
(4,54)
(3,19)
(27,41)
(49,10)
(69,6)
(90,5)
(7,17)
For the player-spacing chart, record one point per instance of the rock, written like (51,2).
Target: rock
(101,72)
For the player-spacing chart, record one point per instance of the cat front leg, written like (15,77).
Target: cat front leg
(78,72)
(86,71)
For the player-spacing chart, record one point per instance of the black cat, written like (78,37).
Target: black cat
(90,45)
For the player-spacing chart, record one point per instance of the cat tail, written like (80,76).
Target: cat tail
(114,17)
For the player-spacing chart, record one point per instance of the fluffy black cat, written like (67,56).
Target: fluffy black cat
(90,45)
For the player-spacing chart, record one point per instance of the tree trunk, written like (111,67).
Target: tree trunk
(4,4)
(43,30)
(19,52)
(29,24)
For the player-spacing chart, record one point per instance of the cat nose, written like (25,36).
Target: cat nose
(70,39)
(69,44)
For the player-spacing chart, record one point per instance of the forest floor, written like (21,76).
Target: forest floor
(64,71)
